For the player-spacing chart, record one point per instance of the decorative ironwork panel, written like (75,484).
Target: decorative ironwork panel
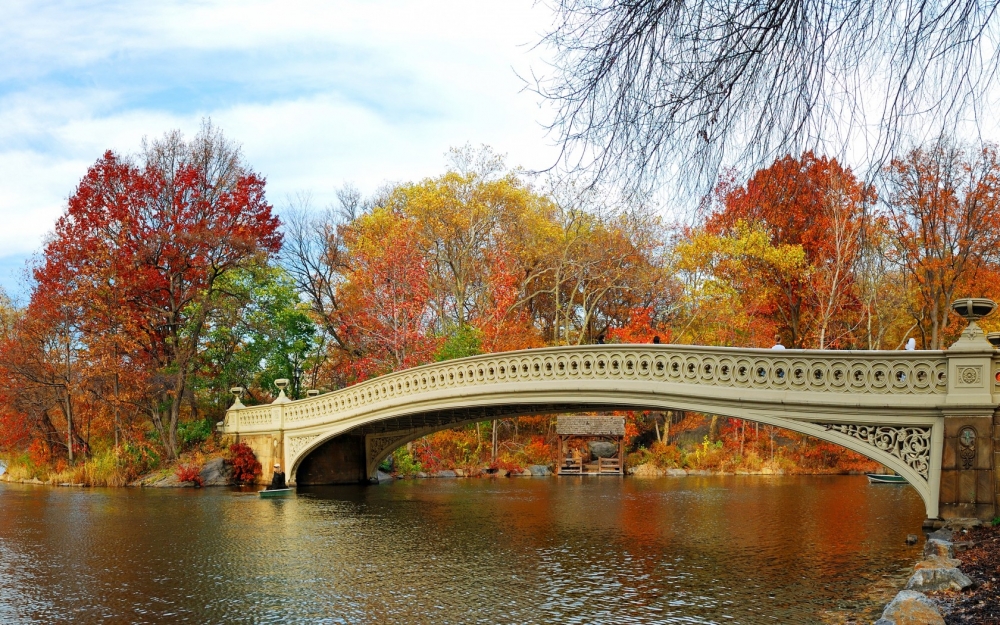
(298,443)
(910,444)
(377,443)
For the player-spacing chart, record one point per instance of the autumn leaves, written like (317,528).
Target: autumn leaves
(169,278)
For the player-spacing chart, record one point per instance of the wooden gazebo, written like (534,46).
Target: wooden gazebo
(579,457)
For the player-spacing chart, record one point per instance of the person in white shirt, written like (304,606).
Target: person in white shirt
(777,342)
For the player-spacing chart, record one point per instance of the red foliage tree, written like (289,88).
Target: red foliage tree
(148,244)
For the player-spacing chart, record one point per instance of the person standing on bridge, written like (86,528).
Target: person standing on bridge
(777,342)
(278,480)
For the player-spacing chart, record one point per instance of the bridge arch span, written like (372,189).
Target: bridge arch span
(893,407)
(904,445)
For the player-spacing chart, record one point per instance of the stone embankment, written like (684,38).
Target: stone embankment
(937,573)
(534,470)
(651,470)
(213,473)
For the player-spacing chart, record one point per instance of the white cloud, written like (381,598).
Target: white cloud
(318,92)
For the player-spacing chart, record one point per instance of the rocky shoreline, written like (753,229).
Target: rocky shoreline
(938,581)
(214,473)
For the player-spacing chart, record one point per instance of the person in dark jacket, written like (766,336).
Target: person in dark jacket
(278,481)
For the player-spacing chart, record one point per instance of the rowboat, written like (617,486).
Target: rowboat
(884,478)
(277,492)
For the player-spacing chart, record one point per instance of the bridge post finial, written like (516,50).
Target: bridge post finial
(237,392)
(281,383)
(972,309)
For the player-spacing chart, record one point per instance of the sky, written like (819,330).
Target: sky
(318,93)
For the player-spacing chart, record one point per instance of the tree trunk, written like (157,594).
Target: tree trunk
(494,456)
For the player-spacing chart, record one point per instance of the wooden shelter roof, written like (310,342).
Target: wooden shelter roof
(590,426)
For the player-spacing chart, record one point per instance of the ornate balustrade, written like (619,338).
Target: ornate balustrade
(889,405)
(827,372)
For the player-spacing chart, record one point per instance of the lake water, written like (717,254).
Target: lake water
(719,549)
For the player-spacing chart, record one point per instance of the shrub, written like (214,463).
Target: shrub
(140,456)
(537,451)
(404,463)
(39,453)
(194,432)
(245,466)
(450,449)
(190,473)
(508,465)
(660,455)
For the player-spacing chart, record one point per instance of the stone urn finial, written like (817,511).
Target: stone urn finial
(281,383)
(237,392)
(993,338)
(972,309)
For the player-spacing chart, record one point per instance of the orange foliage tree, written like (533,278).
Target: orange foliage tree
(944,205)
(815,203)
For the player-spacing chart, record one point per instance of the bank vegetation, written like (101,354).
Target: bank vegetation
(170,279)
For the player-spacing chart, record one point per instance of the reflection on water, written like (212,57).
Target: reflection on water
(568,550)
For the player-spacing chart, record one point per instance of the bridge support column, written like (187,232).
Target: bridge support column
(267,447)
(968,483)
(996,463)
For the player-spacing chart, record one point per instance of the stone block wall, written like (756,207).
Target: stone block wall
(968,487)
(996,464)
(267,448)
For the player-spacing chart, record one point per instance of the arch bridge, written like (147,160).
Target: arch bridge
(931,416)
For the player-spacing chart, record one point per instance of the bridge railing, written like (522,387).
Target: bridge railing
(857,373)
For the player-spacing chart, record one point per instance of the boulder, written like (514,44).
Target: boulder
(539,470)
(381,476)
(937,548)
(647,469)
(459,472)
(942,534)
(963,524)
(911,539)
(910,608)
(602,449)
(938,578)
(676,472)
(168,480)
(938,563)
(445,473)
(421,474)
(215,473)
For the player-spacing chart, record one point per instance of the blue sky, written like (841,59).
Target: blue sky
(318,93)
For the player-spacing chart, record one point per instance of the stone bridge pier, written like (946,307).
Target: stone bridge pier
(931,416)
